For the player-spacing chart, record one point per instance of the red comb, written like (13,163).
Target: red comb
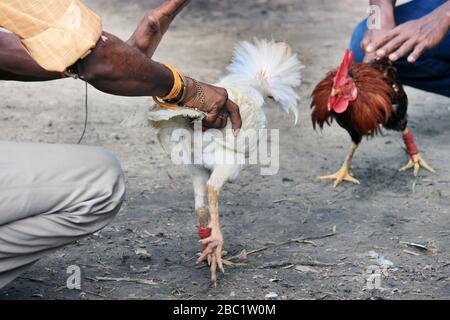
(343,69)
(340,102)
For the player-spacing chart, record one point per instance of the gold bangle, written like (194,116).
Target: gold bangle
(177,87)
(185,87)
(199,101)
(163,104)
(173,104)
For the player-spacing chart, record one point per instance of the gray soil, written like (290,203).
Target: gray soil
(387,208)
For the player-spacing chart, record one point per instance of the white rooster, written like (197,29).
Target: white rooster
(259,70)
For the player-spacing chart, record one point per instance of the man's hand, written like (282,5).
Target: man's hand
(386,23)
(375,36)
(413,37)
(217,106)
(154,25)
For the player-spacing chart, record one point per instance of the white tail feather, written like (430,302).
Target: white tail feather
(272,68)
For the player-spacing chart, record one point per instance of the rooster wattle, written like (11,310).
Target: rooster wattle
(361,98)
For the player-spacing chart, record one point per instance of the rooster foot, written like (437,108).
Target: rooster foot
(342,175)
(213,254)
(224,261)
(416,162)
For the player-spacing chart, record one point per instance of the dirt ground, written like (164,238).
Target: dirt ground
(363,222)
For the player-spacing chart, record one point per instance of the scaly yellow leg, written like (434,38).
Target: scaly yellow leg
(344,173)
(215,241)
(203,222)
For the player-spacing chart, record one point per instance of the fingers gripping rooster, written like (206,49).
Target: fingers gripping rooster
(259,71)
(362,98)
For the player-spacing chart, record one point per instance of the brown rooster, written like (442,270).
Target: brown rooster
(361,98)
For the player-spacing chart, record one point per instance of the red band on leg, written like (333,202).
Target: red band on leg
(411,146)
(204,233)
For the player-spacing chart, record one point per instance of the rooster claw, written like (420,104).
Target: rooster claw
(416,162)
(213,255)
(342,175)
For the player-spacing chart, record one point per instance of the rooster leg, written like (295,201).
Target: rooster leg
(415,159)
(344,173)
(203,217)
(215,241)
(220,175)
(204,231)
(200,177)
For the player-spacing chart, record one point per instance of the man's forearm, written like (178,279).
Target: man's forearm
(386,11)
(383,3)
(445,10)
(17,64)
(113,67)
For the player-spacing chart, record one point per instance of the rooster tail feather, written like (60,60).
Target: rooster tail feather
(271,68)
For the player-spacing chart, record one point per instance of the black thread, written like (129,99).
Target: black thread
(86,116)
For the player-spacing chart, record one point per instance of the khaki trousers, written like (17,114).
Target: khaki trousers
(51,196)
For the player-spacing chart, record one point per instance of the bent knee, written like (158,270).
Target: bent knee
(107,182)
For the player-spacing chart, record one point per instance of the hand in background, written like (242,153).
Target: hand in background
(413,37)
(372,35)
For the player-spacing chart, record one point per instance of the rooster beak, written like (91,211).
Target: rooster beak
(335,92)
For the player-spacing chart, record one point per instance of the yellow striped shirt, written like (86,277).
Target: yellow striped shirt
(56,33)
